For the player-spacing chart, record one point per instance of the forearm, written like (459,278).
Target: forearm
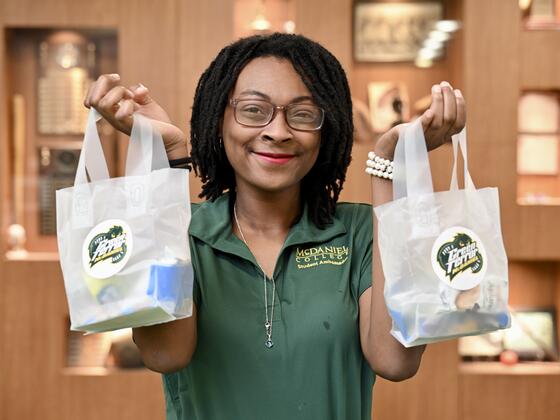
(167,347)
(387,353)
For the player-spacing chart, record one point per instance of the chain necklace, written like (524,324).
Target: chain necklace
(268,321)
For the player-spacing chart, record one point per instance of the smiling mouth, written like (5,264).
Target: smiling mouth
(275,158)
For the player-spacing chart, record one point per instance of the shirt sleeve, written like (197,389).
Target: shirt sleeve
(363,223)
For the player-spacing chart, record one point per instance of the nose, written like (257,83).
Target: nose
(278,129)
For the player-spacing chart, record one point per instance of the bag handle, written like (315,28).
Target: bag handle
(91,156)
(460,140)
(412,176)
(146,151)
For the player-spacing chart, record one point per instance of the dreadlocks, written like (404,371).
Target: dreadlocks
(324,77)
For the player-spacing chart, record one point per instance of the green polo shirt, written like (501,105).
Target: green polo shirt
(316,369)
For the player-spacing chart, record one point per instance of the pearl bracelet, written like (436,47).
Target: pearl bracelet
(377,166)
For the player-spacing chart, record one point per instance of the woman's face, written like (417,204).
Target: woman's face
(275,157)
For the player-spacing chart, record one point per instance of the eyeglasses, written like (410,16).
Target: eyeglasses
(259,113)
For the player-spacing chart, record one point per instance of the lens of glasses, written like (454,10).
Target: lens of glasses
(304,116)
(253,113)
(258,113)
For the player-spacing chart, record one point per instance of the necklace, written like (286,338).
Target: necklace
(268,321)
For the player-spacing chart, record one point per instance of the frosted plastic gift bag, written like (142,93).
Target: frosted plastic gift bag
(443,257)
(123,242)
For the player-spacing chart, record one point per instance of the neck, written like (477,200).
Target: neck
(267,212)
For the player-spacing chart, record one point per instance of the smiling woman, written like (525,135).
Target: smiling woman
(287,322)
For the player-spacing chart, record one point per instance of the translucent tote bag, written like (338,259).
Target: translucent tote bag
(445,266)
(123,242)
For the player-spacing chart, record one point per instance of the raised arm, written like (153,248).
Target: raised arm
(164,347)
(387,357)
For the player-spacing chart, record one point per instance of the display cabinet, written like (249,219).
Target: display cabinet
(49,72)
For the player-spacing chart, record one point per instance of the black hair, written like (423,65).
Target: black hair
(326,80)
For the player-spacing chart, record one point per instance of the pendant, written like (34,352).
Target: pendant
(268,343)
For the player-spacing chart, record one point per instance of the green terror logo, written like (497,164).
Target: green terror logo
(107,248)
(459,258)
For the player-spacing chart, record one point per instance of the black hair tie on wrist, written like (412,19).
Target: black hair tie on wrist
(183,163)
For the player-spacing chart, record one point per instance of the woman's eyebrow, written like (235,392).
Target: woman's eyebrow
(265,96)
(255,92)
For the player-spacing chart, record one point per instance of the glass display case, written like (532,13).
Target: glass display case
(49,72)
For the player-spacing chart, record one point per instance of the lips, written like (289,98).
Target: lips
(275,155)
(275,158)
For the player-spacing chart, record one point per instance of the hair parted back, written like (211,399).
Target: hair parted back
(326,80)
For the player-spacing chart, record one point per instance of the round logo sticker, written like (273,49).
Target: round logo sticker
(459,258)
(107,248)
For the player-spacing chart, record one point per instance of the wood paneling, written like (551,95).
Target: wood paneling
(35,314)
(501,60)
(540,61)
(5,178)
(49,13)
(533,284)
(510,397)
(491,75)
(328,22)
(431,394)
(204,28)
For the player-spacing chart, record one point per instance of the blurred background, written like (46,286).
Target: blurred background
(504,55)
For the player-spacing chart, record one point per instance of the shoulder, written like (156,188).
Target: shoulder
(354,213)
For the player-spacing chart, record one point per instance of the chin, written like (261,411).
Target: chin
(272,185)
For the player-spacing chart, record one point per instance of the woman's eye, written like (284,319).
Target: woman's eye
(303,115)
(252,109)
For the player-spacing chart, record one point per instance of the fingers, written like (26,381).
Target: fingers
(437,108)
(125,110)
(427,119)
(461,119)
(449,106)
(110,102)
(101,86)
(141,94)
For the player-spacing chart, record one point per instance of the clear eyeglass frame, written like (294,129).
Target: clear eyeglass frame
(275,108)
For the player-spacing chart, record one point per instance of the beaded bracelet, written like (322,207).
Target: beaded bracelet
(377,166)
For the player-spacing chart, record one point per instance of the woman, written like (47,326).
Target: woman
(287,321)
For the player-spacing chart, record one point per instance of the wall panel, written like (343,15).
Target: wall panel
(537,47)
(431,394)
(203,29)
(47,13)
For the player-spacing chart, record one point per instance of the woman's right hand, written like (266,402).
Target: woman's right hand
(116,104)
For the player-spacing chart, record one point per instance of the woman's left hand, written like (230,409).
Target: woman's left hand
(446,116)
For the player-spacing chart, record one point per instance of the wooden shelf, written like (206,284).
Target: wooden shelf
(105,371)
(523,368)
(33,256)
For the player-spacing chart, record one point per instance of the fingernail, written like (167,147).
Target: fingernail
(141,88)
(445,84)
(458,93)
(436,89)
(115,76)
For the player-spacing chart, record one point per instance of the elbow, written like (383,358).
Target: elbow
(397,369)
(166,363)
(399,374)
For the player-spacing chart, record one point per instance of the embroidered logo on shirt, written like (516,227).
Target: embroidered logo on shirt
(316,256)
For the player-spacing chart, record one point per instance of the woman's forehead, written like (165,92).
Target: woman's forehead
(272,77)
